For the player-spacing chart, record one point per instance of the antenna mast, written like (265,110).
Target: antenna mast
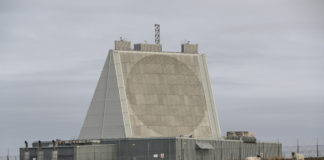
(157,34)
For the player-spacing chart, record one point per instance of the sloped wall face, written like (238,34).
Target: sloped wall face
(165,95)
(104,118)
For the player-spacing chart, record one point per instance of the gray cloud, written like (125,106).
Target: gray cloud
(266,61)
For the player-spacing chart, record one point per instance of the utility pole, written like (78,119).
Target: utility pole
(8,154)
(317,147)
(278,148)
(297,145)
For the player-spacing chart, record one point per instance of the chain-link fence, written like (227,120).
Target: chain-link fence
(307,151)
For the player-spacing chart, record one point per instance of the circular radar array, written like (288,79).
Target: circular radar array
(165,95)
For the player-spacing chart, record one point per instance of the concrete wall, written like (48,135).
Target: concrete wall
(165,95)
(122,45)
(189,48)
(104,118)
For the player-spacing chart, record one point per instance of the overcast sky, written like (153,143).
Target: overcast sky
(266,60)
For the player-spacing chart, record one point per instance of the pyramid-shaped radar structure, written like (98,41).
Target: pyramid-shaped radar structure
(149,93)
